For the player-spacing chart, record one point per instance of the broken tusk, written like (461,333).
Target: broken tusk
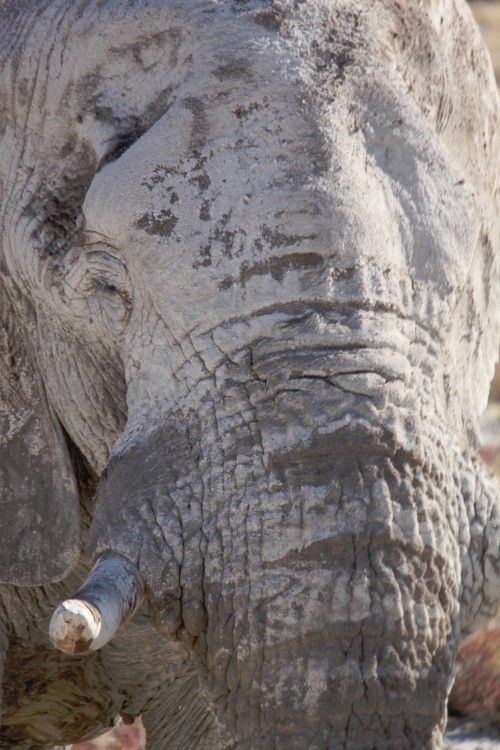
(106,601)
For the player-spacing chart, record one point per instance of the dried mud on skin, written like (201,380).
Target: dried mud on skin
(477,690)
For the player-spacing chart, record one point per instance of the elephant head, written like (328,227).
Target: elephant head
(250,272)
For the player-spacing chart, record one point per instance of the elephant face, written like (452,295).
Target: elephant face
(250,272)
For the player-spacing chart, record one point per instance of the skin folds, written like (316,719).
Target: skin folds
(249,316)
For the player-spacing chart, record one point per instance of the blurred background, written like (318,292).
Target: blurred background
(476,693)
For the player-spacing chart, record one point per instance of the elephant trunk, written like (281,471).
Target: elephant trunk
(297,524)
(330,627)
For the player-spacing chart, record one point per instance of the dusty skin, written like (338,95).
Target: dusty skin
(249,269)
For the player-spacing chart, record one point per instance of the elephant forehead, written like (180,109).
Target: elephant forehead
(207,209)
(200,159)
(216,222)
(252,190)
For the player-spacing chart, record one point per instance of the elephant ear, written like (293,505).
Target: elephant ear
(39,511)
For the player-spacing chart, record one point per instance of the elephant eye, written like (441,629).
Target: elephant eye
(97,289)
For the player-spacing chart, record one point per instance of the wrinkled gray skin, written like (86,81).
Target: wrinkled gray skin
(249,268)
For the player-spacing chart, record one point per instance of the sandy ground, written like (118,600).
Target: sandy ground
(465,735)
(487,14)
(461,735)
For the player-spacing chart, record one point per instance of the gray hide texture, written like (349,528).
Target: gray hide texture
(249,264)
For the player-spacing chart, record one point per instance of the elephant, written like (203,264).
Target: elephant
(249,269)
